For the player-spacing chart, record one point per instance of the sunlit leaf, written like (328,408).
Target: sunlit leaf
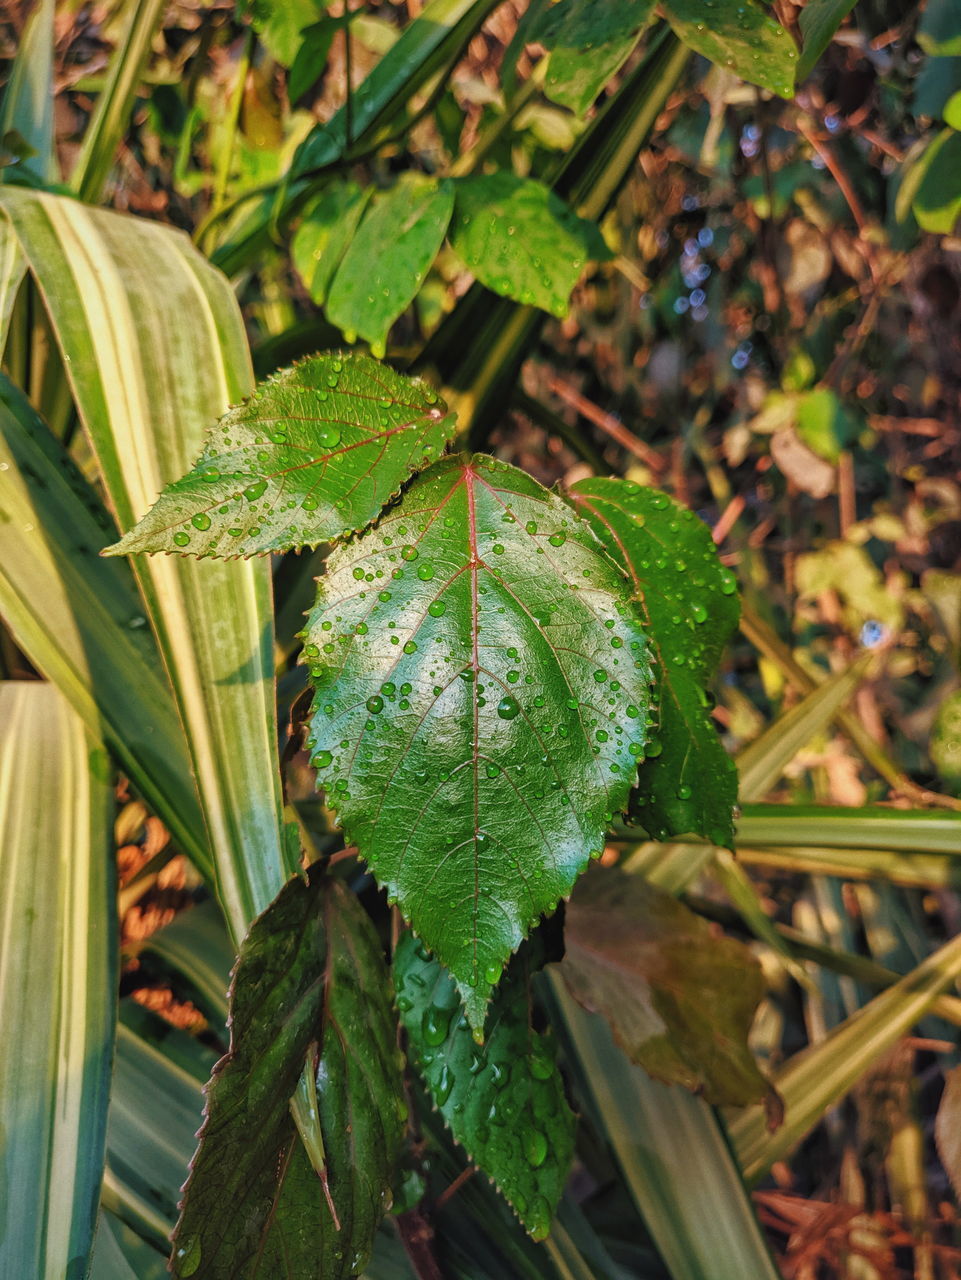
(937,201)
(521,240)
(310,986)
(946,738)
(482,685)
(739,35)
(503,1101)
(588,41)
(313,454)
(688,783)
(324,234)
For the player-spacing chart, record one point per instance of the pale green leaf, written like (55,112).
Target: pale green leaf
(946,738)
(588,41)
(937,200)
(738,35)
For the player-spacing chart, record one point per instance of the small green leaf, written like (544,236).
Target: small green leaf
(521,240)
(588,41)
(322,238)
(690,607)
(315,453)
(389,257)
(679,1000)
(482,685)
(946,739)
(503,1102)
(311,56)
(310,984)
(739,35)
(937,202)
(824,424)
(281,23)
(819,20)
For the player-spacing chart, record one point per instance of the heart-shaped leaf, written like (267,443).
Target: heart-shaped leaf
(310,985)
(522,240)
(315,453)
(588,42)
(503,1102)
(740,35)
(482,687)
(680,1000)
(688,782)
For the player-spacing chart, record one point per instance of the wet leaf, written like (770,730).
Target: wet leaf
(323,236)
(588,41)
(521,240)
(688,783)
(503,1101)
(315,453)
(679,999)
(739,35)
(310,984)
(388,258)
(482,684)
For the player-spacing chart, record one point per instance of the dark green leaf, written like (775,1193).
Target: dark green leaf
(323,236)
(309,60)
(521,240)
(310,984)
(937,203)
(588,41)
(503,1102)
(482,688)
(940,30)
(688,783)
(315,453)
(388,258)
(679,1000)
(739,35)
(819,20)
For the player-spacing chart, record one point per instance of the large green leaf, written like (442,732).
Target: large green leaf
(80,619)
(588,41)
(740,35)
(153,344)
(310,986)
(482,688)
(680,1000)
(315,453)
(521,240)
(386,262)
(503,1101)
(57,981)
(818,22)
(324,234)
(690,606)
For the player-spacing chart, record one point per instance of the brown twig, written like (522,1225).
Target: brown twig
(607,423)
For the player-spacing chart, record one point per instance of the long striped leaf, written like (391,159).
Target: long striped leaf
(901,830)
(154,347)
(57,977)
(28,96)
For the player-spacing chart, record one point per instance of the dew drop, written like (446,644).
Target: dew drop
(181,539)
(437,608)
(200,521)
(508,708)
(375,704)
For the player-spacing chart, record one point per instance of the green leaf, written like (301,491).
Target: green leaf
(819,20)
(946,738)
(58,961)
(310,985)
(27,110)
(503,1102)
(386,261)
(589,41)
(939,33)
(482,685)
(311,56)
(521,240)
(315,453)
(690,606)
(280,24)
(937,201)
(824,424)
(326,231)
(739,35)
(680,1000)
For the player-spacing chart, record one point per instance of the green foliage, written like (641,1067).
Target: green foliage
(310,987)
(739,35)
(818,22)
(476,658)
(324,234)
(503,1101)
(588,41)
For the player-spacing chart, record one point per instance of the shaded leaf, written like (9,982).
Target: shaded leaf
(311,55)
(679,999)
(947,1128)
(503,1101)
(26,115)
(388,258)
(939,32)
(315,453)
(937,201)
(819,20)
(588,41)
(739,35)
(521,240)
(310,985)
(687,783)
(482,683)
(324,234)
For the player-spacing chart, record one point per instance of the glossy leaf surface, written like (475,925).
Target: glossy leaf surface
(680,1000)
(310,984)
(482,684)
(503,1101)
(688,783)
(313,454)
(738,35)
(521,240)
(588,42)
(387,260)
(324,234)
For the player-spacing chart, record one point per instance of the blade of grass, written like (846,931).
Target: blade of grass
(57,980)
(899,830)
(28,97)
